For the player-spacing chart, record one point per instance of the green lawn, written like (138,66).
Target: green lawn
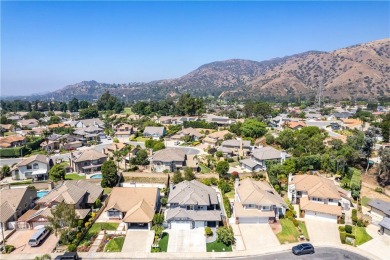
(95,229)
(164,242)
(128,111)
(204,168)
(365,201)
(142,139)
(289,232)
(74,176)
(234,164)
(361,235)
(230,194)
(115,245)
(218,247)
(107,190)
(302,225)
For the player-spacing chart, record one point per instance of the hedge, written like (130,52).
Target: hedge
(226,204)
(35,145)
(14,152)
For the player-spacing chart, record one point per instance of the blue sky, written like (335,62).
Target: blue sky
(47,45)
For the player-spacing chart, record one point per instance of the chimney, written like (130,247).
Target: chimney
(283,155)
(50,185)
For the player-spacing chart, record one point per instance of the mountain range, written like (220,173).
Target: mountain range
(360,72)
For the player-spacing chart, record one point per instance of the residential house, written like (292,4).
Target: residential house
(342,115)
(191,132)
(219,120)
(213,138)
(66,142)
(171,159)
(385,226)
(156,132)
(352,123)
(165,120)
(87,123)
(260,156)
(90,133)
(317,197)
(35,167)
(80,194)
(12,141)
(87,161)
(134,206)
(112,148)
(13,203)
(379,209)
(294,125)
(28,123)
(7,128)
(227,152)
(257,202)
(191,204)
(123,130)
(240,147)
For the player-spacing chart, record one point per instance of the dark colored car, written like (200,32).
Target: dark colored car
(303,249)
(68,256)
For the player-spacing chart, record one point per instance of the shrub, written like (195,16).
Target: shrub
(289,214)
(230,160)
(87,224)
(341,228)
(72,248)
(226,205)
(225,235)
(158,219)
(342,237)
(380,190)
(9,249)
(164,201)
(165,171)
(348,229)
(296,222)
(208,231)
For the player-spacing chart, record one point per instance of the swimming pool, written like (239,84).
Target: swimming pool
(96,176)
(42,193)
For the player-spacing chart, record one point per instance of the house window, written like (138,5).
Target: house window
(35,166)
(330,200)
(266,208)
(29,167)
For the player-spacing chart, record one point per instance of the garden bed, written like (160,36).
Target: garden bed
(162,244)
(92,233)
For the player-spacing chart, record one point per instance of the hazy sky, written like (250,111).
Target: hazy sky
(47,45)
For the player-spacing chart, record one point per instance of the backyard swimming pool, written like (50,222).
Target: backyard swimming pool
(42,193)
(96,176)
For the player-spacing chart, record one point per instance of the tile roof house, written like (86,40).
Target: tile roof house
(318,197)
(171,159)
(123,130)
(192,204)
(134,206)
(191,132)
(88,122)
(213,138)
(14,202)
(257,202)
(28,123)
(156,132)
(294,125)
(34,167)
(87,161)
(12,141)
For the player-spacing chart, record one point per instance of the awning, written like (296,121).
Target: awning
(92,166)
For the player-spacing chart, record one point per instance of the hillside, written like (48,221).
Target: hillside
(361,71)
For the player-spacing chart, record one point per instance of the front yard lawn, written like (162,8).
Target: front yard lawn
(164,242)
(74,176)
(230,194)
(289,232)
(204,168)
(115,245)
(361,235)
(218,247)
(95,229)
(107,191)
(302,225)
(142,139)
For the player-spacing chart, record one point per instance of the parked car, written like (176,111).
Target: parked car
(68,256)
(38,237)
(303,249)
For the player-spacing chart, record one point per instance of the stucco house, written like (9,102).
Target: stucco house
(191,204)
(156,132)
(13,203)
(379,209)
(28,123)
(34,167)
(12,141)
(123,130)
(257,202)
(171,159)
(318,197)
(385,226)
(134,206)
(87,161)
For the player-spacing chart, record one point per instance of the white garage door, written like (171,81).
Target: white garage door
(183,225)
(321,216)
(35,224)
(244,220)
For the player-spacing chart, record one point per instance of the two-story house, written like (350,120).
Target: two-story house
(318,197)
(259,156)
(87,161)
(134,206)
(192,204)
(171,159)
(12,141)
(28,123)
(191,132)
(34,167)
(156,132)
(123,130)
(240,147)
(13,203)
(79,194)
(257,202)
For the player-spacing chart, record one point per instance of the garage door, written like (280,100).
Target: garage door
(35,224)
(183,225)
(387,231)
(244,220)
(321,216)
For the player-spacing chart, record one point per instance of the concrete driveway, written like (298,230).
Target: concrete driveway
(379,245)
(20,238)
(185,241)
(256,236)
(138,241)
(322,231)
